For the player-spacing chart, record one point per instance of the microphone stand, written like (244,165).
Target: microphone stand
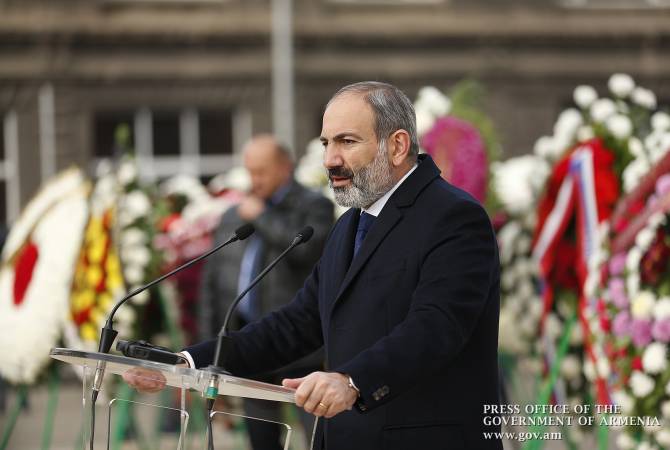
(108,334)
(224,342)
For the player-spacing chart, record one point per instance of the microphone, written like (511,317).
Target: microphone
(108,334)
(148,351)
(224,343)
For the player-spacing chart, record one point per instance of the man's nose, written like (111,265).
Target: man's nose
(332,157)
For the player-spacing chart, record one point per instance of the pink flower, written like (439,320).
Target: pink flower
(459,151)
(617,264)
(661,330)
(640,331)
(663,185)
(621,324)
(617,290)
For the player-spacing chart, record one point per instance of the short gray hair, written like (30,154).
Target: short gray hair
(391,107)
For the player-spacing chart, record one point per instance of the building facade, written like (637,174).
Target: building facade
(193,78)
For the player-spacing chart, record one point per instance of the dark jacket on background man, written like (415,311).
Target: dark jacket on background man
(277,226)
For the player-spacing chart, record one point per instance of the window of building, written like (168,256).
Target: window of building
(171,141)
(216,132)
(165,132)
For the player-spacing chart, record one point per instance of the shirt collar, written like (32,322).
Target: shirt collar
(377,206)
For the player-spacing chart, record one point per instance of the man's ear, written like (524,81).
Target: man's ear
(399,143)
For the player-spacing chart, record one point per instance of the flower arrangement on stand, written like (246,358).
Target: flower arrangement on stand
(632,316)
(190,217)
(589,155)
(459,137)
(37,269)
(98,277)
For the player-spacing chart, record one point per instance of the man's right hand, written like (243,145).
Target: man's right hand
(145,380)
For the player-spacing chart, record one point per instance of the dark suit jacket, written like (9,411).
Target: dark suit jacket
(413,318)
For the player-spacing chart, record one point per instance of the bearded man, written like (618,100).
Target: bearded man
(405,297)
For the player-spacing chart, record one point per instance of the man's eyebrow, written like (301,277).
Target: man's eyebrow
(340,136)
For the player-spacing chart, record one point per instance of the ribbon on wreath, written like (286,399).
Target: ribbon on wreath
(582,191)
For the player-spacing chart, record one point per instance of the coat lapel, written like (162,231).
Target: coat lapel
(391,214)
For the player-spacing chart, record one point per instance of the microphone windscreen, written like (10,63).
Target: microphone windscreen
(244,231)
(306,234)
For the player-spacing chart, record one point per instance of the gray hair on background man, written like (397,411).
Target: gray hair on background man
(392,109)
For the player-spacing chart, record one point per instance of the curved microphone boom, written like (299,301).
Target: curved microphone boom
(223,342)
(108,334)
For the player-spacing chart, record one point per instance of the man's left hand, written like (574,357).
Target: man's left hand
(324,394)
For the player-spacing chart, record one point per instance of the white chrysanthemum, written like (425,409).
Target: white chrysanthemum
(526,290)
(633,284)
(642,305)
(133,274)
(665,409)
(589,370)
(654,358)
(576,336)
(424,121)
(663,437)
(513,181)
(601,109)
(667,388)
(553,326)
(236,179)
(567,124)
(641,384)
(585,133)
(570,367)
(621,84)
(506,237)
(546,147)
(625,442)
(644,97)
(620,126)
(140,299)
(644,238)
(636,148)
(132,237)
(584,96)
(127,172)
(523,245)
(433,100)
(507,279)
(603,367)
(186,185)
(624,400)
(137,203)
(633,259)
(660,121)
(662,308)
(135,255)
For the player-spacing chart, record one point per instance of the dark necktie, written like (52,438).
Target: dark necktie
(364,223)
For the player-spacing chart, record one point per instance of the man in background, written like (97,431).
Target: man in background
(278,207)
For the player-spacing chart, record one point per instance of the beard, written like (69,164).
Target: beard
(368,184)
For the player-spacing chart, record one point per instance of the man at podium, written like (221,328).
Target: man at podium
(405,297)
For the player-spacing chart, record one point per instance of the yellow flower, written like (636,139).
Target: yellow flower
(94,229)
(89,332)
(93,276)
(83,300)
(97,250)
